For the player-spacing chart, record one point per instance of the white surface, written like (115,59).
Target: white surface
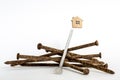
(25,23)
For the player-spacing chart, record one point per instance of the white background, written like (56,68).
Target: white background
(25,23)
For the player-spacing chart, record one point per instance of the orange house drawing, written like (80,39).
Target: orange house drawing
(76,22)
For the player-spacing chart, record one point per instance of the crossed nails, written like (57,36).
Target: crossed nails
(79,62)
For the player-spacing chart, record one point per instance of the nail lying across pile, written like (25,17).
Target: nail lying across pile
(72,60)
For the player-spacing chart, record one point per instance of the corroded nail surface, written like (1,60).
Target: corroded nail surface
(72,60)
(95,66)
(22,62)
(93,61)
(40,46)
(18,62)
(35,57)
(59,52)
(84,46)
(49,64)
(90,56)
(85,71)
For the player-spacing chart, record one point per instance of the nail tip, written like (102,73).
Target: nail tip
(6,62)
(112,72)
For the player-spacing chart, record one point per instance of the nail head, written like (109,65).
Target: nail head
(39,46)
(96,43)
(18,55)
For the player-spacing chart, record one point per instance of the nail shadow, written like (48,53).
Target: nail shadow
(72,70)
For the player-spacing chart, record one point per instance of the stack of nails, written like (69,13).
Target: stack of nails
(75,61)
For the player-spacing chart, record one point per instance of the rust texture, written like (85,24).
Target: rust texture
(76,61)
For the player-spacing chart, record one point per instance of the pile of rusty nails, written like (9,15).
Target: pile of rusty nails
(75,61)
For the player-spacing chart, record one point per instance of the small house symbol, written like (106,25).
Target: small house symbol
(76,22)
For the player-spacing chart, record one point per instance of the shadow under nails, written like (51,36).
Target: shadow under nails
(72,70)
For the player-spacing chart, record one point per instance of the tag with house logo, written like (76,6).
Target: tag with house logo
(76,22)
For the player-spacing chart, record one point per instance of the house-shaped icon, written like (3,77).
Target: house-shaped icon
(76,22)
